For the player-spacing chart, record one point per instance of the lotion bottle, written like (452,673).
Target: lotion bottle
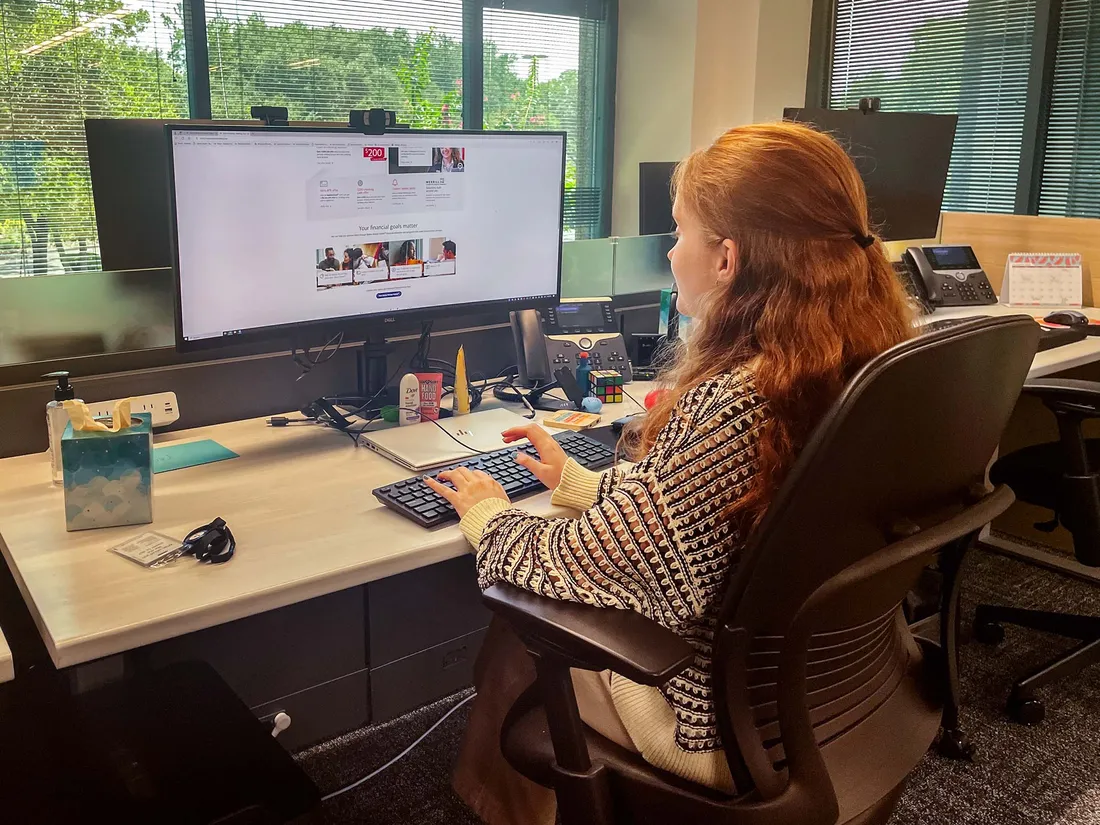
(409,395)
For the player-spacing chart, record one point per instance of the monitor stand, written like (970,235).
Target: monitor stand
(371,375)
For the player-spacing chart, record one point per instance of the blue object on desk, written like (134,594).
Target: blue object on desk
(192,454)
(592,404)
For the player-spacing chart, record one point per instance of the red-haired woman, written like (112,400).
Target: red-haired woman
(790,294)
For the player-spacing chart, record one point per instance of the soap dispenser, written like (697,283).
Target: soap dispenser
(56,419)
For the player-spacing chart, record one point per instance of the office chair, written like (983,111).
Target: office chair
(1060,476)
(825,700)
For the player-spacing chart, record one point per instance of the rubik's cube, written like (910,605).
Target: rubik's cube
(606,385)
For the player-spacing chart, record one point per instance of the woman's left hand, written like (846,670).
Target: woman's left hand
(470,487)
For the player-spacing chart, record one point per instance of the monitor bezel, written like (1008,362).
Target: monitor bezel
(362,325)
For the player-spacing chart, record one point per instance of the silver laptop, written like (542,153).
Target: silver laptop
(424,445)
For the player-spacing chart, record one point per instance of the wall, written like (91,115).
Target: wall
(691,69)
(652,95)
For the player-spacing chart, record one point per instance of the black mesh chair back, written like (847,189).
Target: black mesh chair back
(812,620)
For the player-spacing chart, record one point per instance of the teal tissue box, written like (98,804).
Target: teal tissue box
(108,476)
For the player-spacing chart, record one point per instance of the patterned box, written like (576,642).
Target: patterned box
(108,476)
(606,385)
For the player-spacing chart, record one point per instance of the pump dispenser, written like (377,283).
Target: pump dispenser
(56,419)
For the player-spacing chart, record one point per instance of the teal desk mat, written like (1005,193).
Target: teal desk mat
(192,454)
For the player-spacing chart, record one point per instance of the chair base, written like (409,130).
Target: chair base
(1024,705)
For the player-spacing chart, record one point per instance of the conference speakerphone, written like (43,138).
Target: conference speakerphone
(585,325)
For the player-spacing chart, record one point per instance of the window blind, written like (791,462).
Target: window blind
(1070,183)
(323,58)
(969,57)
(63,61)
(541,73)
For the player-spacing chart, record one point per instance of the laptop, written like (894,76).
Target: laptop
(426,445)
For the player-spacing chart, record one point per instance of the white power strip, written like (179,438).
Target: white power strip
(161,404)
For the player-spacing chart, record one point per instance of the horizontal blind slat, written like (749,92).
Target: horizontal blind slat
(969,57)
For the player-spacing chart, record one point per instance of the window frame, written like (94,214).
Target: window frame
(1048,15)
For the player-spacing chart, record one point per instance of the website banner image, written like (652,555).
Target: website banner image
(377,262)
(393,180)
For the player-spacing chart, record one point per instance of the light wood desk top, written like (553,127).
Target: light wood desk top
(7,667)
(298,500)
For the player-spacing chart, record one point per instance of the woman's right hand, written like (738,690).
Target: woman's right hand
(548,467)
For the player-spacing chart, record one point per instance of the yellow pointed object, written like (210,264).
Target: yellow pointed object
(462,389)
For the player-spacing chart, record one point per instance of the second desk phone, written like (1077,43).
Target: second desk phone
(947,276)
(554,338)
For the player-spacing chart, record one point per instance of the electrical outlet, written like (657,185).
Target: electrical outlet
(161,404)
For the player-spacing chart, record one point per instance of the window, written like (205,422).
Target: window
(321,59)
(969,57)
(540,73)
(63,61)
(548,64)
(1071,160)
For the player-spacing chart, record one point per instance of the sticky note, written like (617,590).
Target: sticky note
(190,454)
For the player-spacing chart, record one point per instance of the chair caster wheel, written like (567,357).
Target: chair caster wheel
(954,744)
(1026,711)
(989,633)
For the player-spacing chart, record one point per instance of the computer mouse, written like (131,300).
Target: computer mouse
(1068,318)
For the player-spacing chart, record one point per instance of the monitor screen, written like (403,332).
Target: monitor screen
(903,159)
(278,228)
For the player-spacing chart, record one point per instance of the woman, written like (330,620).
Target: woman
(451,160)
(791,295)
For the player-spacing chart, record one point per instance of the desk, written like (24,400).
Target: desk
(7,668)
(1045,363)
(298,500)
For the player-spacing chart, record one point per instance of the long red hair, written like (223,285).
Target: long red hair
(807,306)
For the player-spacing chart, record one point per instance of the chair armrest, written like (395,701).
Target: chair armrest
(1067,393)
(593,638)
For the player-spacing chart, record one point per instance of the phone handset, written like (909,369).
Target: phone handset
(924,280)
(532,360)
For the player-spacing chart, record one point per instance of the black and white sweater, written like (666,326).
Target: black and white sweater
(652,539)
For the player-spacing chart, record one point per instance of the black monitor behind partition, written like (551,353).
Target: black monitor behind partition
(903,158)
(655,197)
(128,159)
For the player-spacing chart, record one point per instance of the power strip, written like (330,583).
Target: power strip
(161,404)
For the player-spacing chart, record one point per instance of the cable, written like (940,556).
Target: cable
(399,756)
(321,358)
(632,398)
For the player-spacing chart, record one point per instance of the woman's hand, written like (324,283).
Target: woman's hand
(470,488)
(548,466)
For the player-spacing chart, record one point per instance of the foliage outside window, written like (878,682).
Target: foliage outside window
(65,60)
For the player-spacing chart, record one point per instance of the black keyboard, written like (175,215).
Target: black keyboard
(413,499)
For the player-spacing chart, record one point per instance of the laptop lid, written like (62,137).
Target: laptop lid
(426,445)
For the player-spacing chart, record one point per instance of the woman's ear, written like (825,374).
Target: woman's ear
(727,262)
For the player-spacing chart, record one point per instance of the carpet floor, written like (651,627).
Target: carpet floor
(1043,775)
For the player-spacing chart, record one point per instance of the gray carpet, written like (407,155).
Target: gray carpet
(1045,775)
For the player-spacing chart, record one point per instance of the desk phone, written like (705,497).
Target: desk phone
(561,333)
(947,276)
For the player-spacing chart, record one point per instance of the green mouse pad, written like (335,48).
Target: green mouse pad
(192,454)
